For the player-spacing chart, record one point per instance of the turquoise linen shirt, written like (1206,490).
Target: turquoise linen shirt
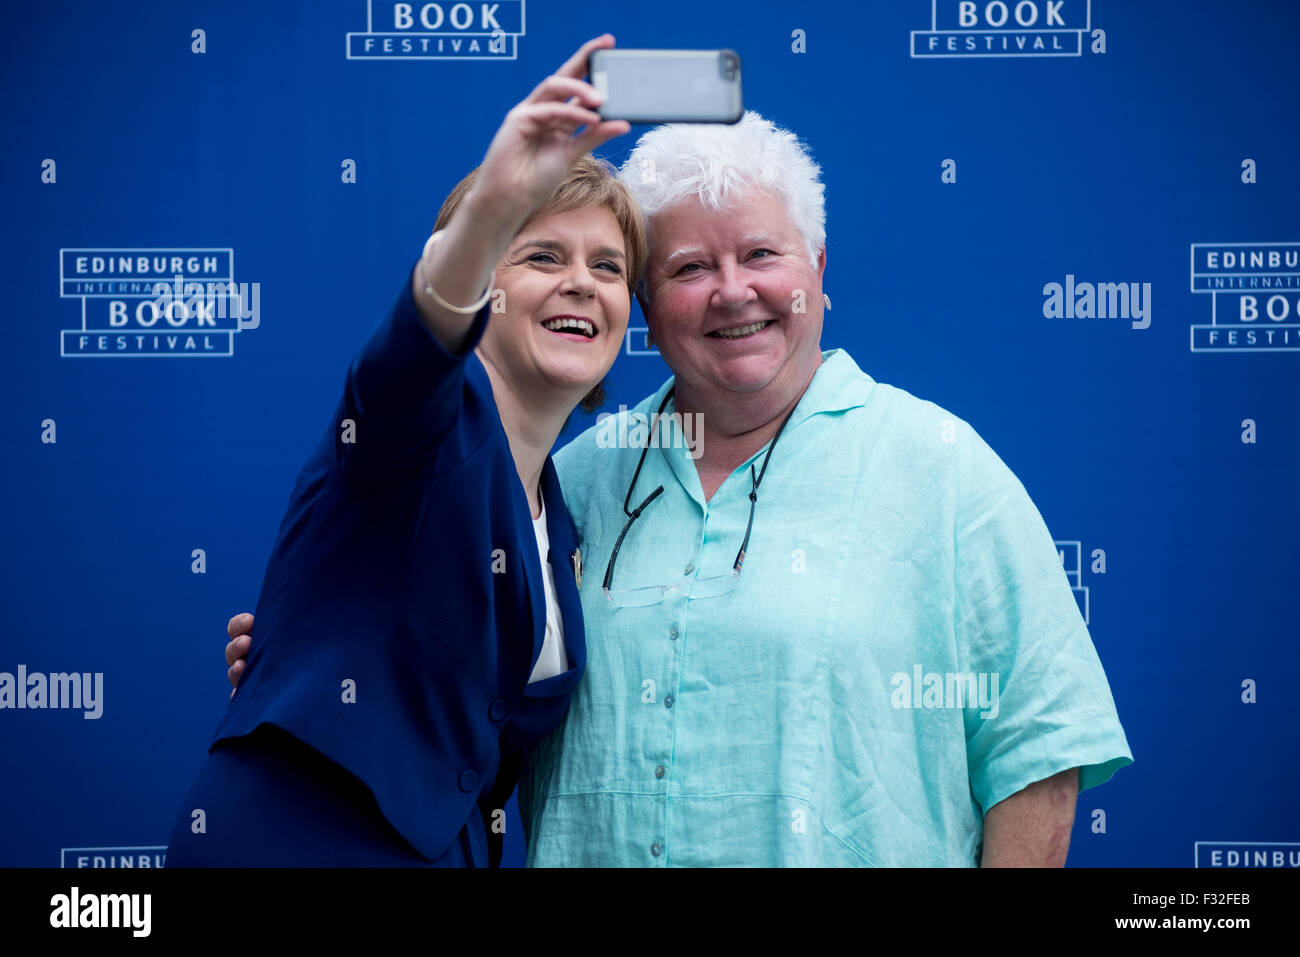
(901,651)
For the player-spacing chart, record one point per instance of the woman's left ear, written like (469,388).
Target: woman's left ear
(821,271)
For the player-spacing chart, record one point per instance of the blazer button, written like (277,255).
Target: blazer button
(468,780)
(497,711)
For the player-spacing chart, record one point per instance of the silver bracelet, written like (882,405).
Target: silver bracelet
(428,287)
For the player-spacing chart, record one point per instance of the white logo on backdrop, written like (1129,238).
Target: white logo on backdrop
(156,302)
(637,342)
(1071,553)
(1254,291)
(1004,28)
(444,30)
(146,856)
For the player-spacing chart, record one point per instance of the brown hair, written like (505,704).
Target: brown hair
(590,182)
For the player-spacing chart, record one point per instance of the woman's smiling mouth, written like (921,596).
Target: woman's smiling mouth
(571,326)
(740,332)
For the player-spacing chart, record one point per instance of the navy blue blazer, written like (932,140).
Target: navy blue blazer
(403,605)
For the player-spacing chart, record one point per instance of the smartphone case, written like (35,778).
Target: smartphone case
(668,86)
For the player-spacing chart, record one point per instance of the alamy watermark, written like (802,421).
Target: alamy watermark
(933,689)
(127,911)
(1102,300)
(56,690)
(179,301)
(636,430)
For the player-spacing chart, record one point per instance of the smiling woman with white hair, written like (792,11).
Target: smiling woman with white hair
(835,632)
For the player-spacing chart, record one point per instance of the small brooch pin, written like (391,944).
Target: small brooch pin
(576,558)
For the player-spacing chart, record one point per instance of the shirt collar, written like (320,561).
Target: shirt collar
(837,385)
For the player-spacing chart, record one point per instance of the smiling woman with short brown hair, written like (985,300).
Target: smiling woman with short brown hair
(419,622)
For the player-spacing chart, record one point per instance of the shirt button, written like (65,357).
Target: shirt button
(659,771)
(655,849)
(468,779)
(668,701)
(497,710)
(672,634)
(689,568)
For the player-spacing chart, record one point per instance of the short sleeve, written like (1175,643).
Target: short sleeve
(404,390)
(1016,620)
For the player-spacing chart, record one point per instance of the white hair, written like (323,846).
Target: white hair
(719,162)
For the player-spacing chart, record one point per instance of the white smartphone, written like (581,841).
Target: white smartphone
(668,86)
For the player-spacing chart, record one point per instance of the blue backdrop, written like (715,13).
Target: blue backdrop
(304,148)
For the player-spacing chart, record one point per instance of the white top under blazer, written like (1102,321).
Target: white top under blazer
(552,660)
